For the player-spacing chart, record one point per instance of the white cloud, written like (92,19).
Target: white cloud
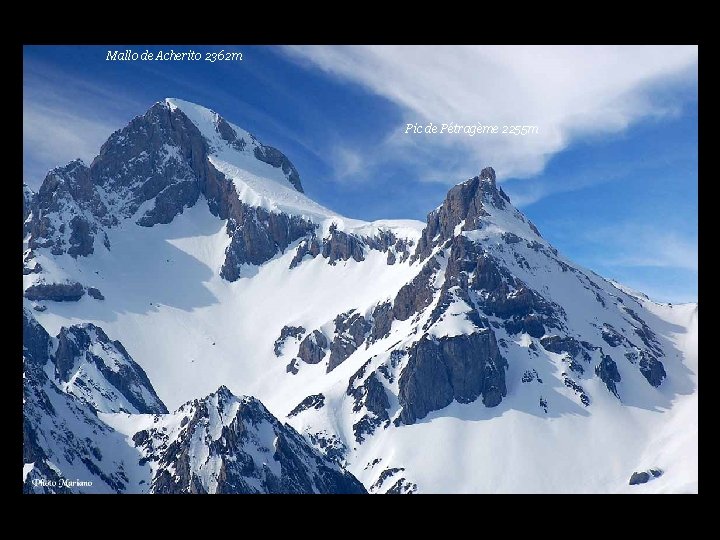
(346,162)
(665,250)
(567,91)
(642,245)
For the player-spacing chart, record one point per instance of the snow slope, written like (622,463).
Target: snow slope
(192,332)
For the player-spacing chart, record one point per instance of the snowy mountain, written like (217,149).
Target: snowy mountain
(226,444)
(464,354)
(93,424)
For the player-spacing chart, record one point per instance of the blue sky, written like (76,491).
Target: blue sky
(610,179)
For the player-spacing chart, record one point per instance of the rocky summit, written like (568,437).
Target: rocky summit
(186,266)
(218,444)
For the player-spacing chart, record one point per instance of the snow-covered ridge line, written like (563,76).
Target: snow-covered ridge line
(260,185)
(83,435)
(476,341)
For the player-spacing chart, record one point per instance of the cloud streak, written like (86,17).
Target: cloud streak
(643,245)
(64,118)
(568,92)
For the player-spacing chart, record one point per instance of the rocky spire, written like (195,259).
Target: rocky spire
(488,173)
(464,205)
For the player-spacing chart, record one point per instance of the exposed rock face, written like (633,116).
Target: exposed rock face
(287,331)
(36,341)
(573,349)
(31,267)
(309,246)
(329,445)
(160,162)
(460,368)
(644,476)
(91,367)
(158,151)
(463,205)
(415,296)
(608,372)
(471,268)
(156,156)
(398,249)
(371,396)
(402,487)
(28,204)
(248,451)
(100,371)
(159,157)
(316,401)
(257,236)
(639,478)
(530,376)
(511,238)
(159,165)
(245,449)
(63,439)
(228,134)
(67,191)
(382,317)
(652,369)
(342,246)
(567,344)
(95,293)
(647,336)
(273,156)
(57,292)
(579,391)
(384,475)
(397,486)
(473,279)
(350,331)
(170,202)
(612,337)
(313,348)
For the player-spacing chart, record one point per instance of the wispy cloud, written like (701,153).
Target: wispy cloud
(66,117)
(346,162)
(568,92)
(57,136)
(581,175)
(655,259)
(643,245)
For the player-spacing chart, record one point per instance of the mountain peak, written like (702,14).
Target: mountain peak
(488,173)
(467,205)
(223,136)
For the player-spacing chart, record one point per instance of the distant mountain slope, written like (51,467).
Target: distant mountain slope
(220,444)
(468,336)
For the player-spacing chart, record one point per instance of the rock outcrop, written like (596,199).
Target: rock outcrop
(153,169)
(608,372)
(463,206)
(286,332)
(315,401)
(460,368)
(218,444)
(247,451)
(370,396)
(350,331)
(98,370)
(56,292)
